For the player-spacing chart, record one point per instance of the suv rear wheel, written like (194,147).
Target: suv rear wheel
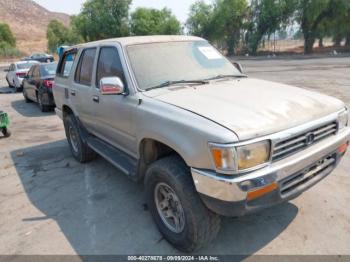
(176,207)
(80,150)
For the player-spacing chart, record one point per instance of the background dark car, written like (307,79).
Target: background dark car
(43,58)
(37,85)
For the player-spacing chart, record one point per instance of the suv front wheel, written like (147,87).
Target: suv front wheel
(80,150)
(176,207)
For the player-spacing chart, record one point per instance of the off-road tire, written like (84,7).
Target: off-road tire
(84,153)
(201,224)
(6,132)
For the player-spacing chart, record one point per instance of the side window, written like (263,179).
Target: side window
(83,74)
(12,67)
(109,64)
(66,64)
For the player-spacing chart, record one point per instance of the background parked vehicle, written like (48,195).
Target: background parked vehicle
(37,85)
(40,57)
(16,73)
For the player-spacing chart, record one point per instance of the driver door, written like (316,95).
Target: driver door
(114,114)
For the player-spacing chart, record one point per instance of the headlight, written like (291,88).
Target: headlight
(253,155)
(241,157)
(223,157)
(343,119)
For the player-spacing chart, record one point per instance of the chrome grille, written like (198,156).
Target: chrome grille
(299,142)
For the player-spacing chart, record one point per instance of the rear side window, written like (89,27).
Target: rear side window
(109,64)
(24,66)
(83,74)
(48,69)
(66,64)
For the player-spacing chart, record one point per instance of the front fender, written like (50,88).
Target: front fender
(183,131)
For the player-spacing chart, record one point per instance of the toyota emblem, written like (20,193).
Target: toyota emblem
(310,138)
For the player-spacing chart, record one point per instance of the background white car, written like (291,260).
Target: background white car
(16,73)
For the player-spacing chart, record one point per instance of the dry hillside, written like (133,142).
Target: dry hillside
(28,21)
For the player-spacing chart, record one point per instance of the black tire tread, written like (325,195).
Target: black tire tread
(208,222)
(6,132)
(86,154)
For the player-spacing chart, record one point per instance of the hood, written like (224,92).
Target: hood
(250,107)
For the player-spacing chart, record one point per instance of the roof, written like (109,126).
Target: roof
(134,40)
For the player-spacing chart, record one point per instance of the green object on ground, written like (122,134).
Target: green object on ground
(4,123)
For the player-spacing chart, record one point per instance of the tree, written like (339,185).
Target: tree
(8,42)
(228,21)
(58,34)
(100,19)
(340,24)
(221,22)
(268,16)
(331,19)
(6,36)
(199,20)
(310,15)
(149,21)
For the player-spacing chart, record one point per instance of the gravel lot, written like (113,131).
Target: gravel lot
(50,204)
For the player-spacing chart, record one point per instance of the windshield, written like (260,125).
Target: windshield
(48,69)
(156,63)
(24,66)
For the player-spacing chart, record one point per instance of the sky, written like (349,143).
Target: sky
(179,7)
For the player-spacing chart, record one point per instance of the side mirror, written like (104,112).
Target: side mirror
(7,70)
(112,86)
(238,66)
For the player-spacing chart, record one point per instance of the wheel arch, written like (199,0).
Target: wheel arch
(66,110)
(151,150)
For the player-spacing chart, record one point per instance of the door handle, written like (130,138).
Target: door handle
(96,99)
(72,92)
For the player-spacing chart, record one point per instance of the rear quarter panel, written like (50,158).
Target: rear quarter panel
(62,86)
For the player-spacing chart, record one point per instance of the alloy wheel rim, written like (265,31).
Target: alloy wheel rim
(73,139)
(169,208)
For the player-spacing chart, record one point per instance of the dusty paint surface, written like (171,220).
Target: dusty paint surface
(252,107)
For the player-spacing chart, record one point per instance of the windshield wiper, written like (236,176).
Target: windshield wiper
(169,83)
(226,76)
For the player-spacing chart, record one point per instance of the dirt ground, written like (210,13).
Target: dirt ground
(50,204)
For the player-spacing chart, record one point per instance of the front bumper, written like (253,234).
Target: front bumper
(293,175)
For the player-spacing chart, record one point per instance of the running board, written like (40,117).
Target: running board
(116,157)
